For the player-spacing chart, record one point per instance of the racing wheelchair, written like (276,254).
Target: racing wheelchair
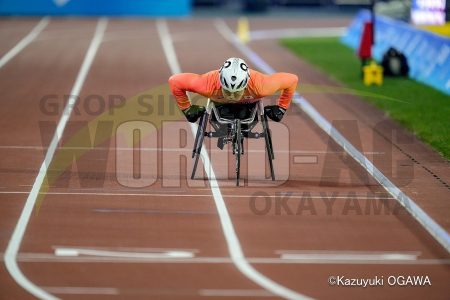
(233,130)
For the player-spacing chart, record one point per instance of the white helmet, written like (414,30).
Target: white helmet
(234,75)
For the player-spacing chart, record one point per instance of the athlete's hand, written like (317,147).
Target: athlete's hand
(274,112)
(193,113)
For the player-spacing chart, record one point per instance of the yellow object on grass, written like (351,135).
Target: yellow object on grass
(373,74)
(243,31)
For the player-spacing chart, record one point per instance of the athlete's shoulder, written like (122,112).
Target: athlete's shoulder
(256,75)
(257,81)
(212,80)
(211,75)
(193,78)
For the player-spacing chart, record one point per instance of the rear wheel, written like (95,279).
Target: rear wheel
(238,149)
(198,143)
(269,149)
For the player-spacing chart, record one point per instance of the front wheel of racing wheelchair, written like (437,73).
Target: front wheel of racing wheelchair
(236,129)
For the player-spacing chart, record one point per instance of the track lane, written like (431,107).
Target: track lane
(419,171)
(23,100)
(281,230)
(253,242)
(170,222)
(12,30)
(22,91)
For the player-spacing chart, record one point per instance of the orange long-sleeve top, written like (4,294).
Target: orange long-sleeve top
(208,85)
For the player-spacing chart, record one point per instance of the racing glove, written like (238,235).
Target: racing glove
(193,113)
(274,112)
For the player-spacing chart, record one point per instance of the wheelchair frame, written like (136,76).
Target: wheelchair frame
(235,135)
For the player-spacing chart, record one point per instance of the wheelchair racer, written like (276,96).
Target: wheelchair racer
(234,83)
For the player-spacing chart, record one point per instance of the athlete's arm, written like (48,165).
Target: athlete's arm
(284,82)
(186,82)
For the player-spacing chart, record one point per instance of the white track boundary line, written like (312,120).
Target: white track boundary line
(234,293)
(71,290)
(74,252)
(296,32)
(19,231)
(348,255)
(39,148)
(234,247)
(293,196)
(24,42)
(52,258)
(421,216)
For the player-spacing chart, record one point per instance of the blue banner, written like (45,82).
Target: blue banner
(152,8)
(428,54)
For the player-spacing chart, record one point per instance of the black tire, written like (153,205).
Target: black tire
(269,137)
(198,143)
(269,150)
(197,136)
(195,165)
(238,144)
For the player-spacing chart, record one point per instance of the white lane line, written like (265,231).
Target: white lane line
(51,258)
(19,231)
(123,254)
(346,255)
(81,290)
(297,32)
(152,211)
(439,233)
(174,150)
(115,291)
(234,247)
(234,293)
(25,41)
(306,159)
(127,249)
(293,196)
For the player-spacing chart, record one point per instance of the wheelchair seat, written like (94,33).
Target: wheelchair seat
(224,115)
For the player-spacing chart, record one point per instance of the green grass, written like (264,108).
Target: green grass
(422,109)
